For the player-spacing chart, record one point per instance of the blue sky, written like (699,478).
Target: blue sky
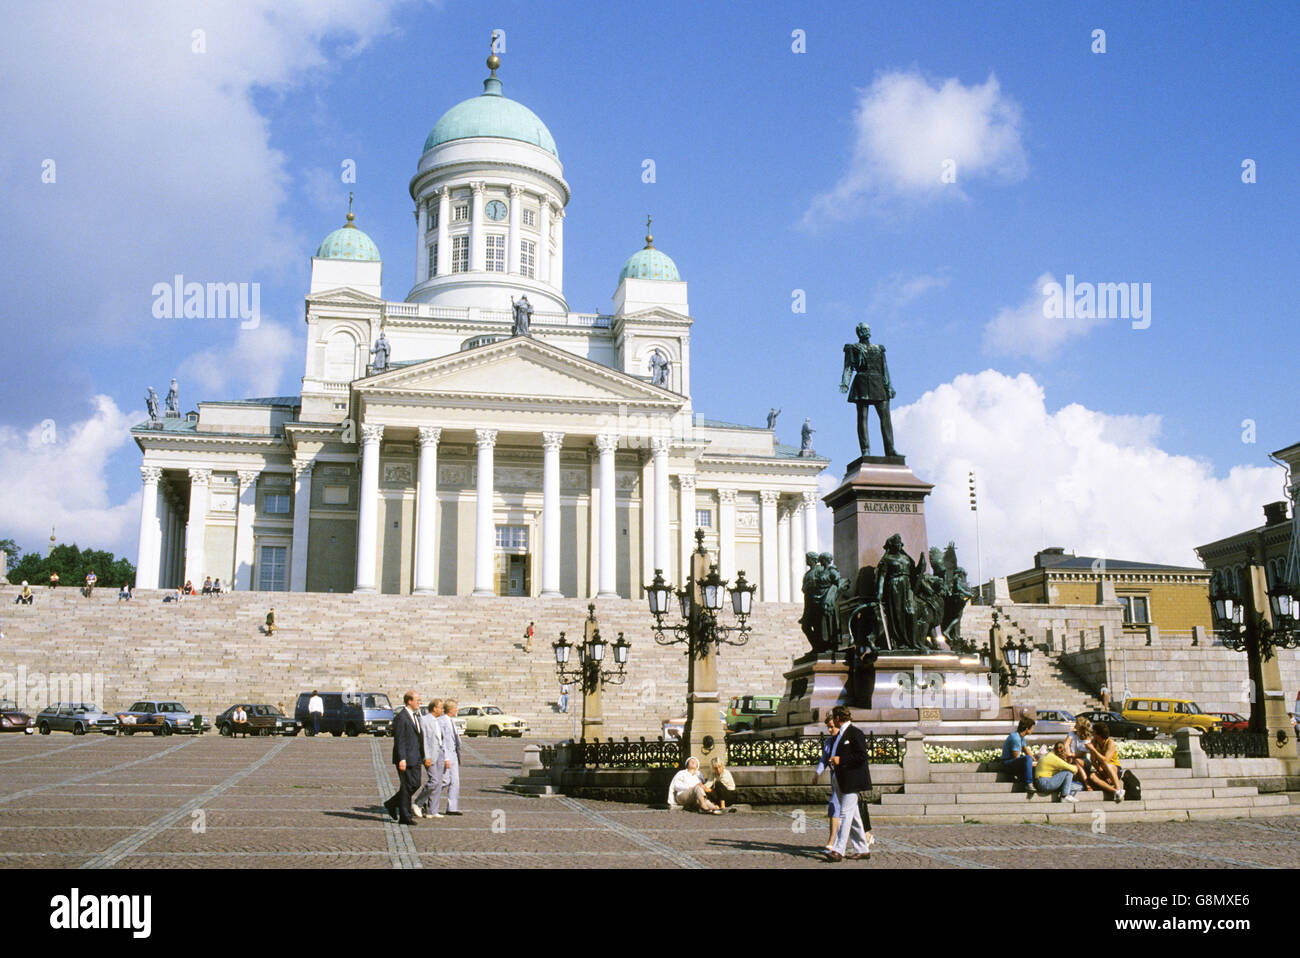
(775,171)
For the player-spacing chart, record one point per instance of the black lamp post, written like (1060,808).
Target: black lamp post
(1011,668)
(1240,627)
(589,672)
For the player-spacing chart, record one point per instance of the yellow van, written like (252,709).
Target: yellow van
(1168,715)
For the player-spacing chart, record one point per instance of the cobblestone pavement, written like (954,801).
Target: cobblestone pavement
(187,802)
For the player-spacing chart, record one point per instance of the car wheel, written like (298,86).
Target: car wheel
(78,729)
(294,733)
(44,728)
(110,731)
(223,729)
(353,731)
(494,732)
(165,730)
(336,734)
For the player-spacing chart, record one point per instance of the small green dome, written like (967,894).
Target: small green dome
(649,263)
(491,114)
(348,242)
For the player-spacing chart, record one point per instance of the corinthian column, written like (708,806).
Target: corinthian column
(659,449)
(244,514)
(368,509)
(727,533)
(426,512)
(302,470)
(195,531)
(512,241)
(551,442)
(810,521)
(769,577)
(477,243)
(686,522)
(484,530)
(149,551)
(608,588)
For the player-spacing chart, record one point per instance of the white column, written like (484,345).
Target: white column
(444,241)
(557,262)
(422,243)
(551,442)
(246,510)
(544,241)
(769,549)
(606,444)
(299,549)
(512,241)
(194,530)
(810,521)
(149,552)
(426,513)
(659,449)
(727,533)
(477,243)
(685,519)
(484,524)
(368,510)
(783,551)
(164,536)
(796,551)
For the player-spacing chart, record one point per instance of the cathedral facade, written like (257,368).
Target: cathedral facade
(478,437)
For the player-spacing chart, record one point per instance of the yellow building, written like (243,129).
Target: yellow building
(1169,600)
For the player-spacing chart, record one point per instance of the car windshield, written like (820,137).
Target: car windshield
(171,707)
(84,707)
(492,710)
(377,702)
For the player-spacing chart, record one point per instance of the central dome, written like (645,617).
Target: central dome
(491,114)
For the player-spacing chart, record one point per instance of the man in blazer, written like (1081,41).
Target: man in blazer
(848,762)
(408,756)
(429,798)
(450,756)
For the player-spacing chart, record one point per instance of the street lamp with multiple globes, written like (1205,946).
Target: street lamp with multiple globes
(700,601)
(1011,668)
(589,672)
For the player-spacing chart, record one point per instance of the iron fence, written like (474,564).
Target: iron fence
(1235,744)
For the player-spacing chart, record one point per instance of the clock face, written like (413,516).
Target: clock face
(496,210)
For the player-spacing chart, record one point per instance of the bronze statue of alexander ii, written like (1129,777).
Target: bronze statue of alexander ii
(866,380)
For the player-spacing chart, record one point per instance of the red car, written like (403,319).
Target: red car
(1231,722)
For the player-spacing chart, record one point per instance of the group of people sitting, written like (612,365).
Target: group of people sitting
(1086,760)
(690,790)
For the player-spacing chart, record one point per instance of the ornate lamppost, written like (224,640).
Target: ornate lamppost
(700,601)
(1259,625)
(589,671)
(1007,662)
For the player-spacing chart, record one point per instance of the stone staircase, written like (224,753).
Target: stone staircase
(969,792)
(1051,684)
(211,652)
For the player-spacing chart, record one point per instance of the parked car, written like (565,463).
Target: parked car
(12,720)
(161,717)
(491,721)
(262,720)
(1168,715)
(675,728)
(1232,722)
(1053,722)
(743,711)
(349,713)
(75,717)
(1118,726)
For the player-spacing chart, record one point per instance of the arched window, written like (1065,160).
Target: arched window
(340,357)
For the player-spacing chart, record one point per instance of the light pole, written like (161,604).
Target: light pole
(979,555)
(1008,661)
(699,603)
(589,671)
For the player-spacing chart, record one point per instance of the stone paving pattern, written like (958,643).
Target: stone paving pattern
(201,802)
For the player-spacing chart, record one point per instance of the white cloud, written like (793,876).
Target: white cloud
(255,365)
(1027,330)
(908,129)
(62,483)
(1093,483)
(899,290)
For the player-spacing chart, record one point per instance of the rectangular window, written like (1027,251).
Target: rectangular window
(273,569)
(433,216)
(1136,610)
(460,214)
(704,518)
(530,218)
(512,538)
(275,504)
(433,260)
(528,258)
(460,254)
(496,252)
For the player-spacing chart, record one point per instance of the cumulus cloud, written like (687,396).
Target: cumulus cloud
(910,131)
(53,474)
(259,363)
(1094,483)
(1027,330)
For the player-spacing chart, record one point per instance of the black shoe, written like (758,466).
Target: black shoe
(450,812)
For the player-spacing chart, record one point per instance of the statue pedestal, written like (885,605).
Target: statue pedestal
(880,496)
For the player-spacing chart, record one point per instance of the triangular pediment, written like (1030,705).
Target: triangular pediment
(521,368)
(344,296)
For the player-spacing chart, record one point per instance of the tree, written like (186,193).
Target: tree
(72,565)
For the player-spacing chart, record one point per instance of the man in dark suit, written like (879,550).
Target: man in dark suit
(408,756)
(849,766)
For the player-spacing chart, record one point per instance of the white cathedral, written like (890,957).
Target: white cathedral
(561,460)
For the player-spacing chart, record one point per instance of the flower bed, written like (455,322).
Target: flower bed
(943,755)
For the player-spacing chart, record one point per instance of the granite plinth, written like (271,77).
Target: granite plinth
(880,496)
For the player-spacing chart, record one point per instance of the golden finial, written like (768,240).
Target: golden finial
(493,61)
(649,240)
(350,216)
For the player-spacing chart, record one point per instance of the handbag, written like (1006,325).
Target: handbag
(1132,786)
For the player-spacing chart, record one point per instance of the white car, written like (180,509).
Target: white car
(490,721)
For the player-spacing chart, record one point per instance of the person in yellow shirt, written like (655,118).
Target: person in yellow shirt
(1054,773)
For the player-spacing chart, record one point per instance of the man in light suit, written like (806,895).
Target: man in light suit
(450,756)
(848,762)
(427,801)
(408,756)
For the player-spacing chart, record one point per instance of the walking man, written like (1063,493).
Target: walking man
(408,756)
(528,639)
(315,711)
(848,761)
(564,698)
(430,797)
(450,756)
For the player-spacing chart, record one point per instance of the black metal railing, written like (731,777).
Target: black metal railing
(627,753)
(808,749)
(1235,744)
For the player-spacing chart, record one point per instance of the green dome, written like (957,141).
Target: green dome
(491,114)
(649,263)
(348,242)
